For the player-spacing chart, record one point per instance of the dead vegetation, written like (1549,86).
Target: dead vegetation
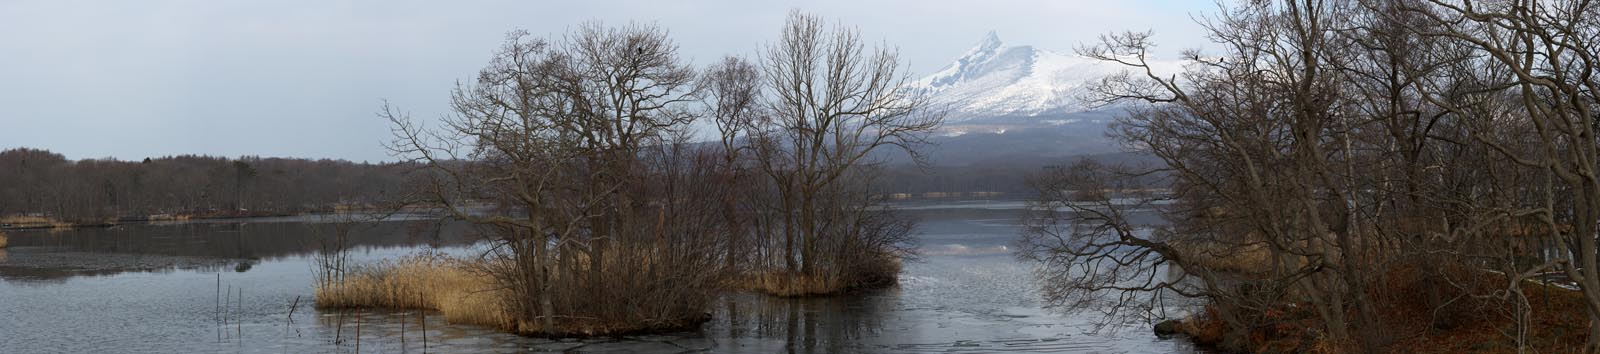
(1475,322)
(34,222)
(882,272)
(1346,176)
(458,289)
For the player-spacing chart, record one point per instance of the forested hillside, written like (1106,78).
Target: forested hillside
(40,183)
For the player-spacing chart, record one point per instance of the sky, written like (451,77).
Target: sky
(136,79)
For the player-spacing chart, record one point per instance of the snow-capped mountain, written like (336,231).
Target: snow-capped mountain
(994,80)
(1019,103)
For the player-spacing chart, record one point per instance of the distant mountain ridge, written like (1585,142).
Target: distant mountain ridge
(994,80)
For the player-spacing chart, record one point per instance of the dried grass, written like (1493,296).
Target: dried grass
(788,284)
(455,288)
(633,300)
(3,240)
(34,222)
(876,273)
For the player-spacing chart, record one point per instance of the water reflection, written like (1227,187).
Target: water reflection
(49,256)
(149,289)
(807,325)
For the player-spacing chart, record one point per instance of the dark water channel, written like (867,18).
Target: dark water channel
(152,289)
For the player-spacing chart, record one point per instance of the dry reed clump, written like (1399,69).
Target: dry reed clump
(34,222)
(874,273)
(787,284)
(456,288)
(3,240)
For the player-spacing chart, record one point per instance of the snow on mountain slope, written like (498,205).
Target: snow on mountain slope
(993,80)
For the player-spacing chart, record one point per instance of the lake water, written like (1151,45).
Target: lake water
(154,289)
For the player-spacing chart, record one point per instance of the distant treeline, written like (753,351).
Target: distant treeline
(42,183)
(38,182)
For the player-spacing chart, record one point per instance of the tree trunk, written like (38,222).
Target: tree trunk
(808,224)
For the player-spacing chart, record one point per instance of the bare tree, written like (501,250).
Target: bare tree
(1330,149)
(561,151)
(1551,51)
(831,102)
(732,91)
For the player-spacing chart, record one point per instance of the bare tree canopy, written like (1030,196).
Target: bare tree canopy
(576,157)
(1336,158)
(830,101)
(569,153)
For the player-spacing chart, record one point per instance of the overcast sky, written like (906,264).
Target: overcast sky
(135,79)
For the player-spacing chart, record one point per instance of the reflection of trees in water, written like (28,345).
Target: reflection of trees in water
(242,240)
(37,268)
(809,325)
(209,247)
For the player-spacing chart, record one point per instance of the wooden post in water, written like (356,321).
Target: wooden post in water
(288,324)
(227,304)
(338,328)
(216,310)
(358,332)
(239,325)
(422,318)
(293,306)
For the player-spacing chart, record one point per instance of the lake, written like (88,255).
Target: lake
(160,288)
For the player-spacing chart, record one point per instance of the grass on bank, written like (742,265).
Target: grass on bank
(788,285)
(877,273)
(464,293)
(447,285)
(33,222)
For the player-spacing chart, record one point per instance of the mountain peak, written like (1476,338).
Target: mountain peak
(996,80)
(984,52)
(987,47)
(990,41)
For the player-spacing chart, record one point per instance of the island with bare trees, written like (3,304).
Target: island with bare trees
(575,155)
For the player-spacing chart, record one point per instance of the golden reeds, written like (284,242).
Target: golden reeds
(34,222)
(876,272)
(3,240)
(451,286)
(788,285)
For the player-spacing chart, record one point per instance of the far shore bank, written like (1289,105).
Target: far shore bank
(35,222)
(41,223)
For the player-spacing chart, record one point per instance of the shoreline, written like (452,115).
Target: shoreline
(36,223)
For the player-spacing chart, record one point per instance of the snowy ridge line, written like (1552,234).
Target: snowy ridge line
(994,80)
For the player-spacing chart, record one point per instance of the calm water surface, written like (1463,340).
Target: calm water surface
(153,289)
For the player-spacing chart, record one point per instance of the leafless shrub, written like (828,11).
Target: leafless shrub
(570,156)
(1329,149)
